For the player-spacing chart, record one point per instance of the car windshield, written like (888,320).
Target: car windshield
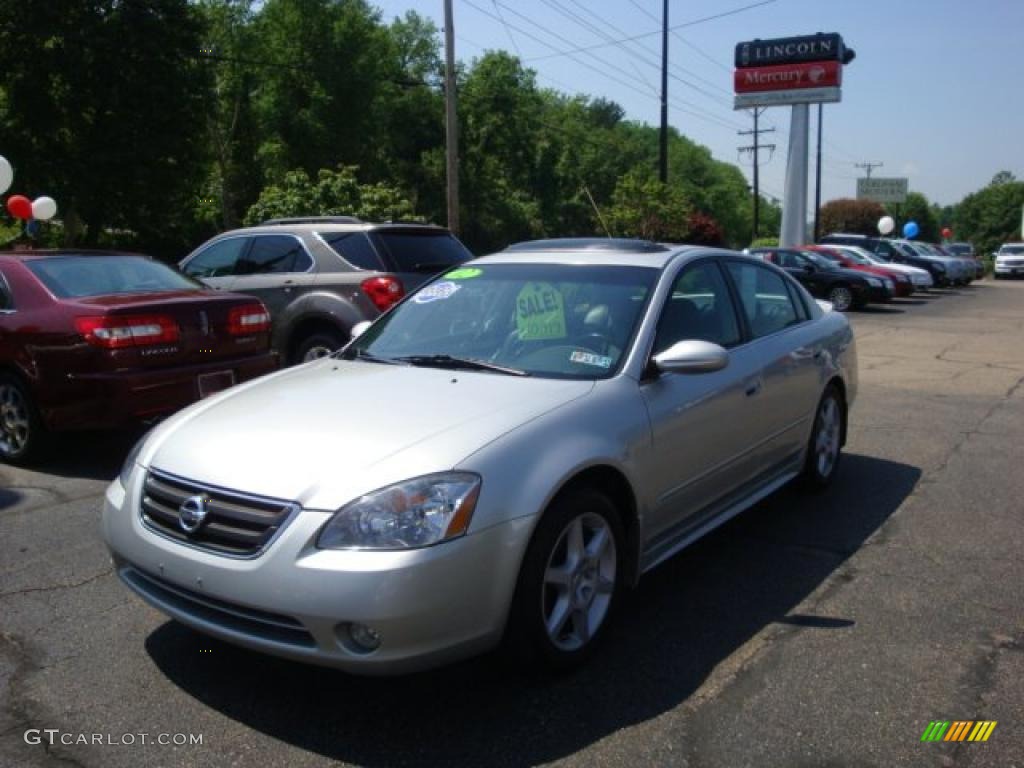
(1011,250)
(832,257)
(819,260)
(80,276)
(960,249)
(856,257)
(551,320)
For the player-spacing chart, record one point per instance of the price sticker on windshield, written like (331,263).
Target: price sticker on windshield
(540,312)
(436,292)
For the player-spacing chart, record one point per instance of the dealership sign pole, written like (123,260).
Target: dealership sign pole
(794,71)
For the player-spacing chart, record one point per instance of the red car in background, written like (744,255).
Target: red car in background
(104,339)
(902,285)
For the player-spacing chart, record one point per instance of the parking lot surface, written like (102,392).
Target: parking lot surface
(812,630)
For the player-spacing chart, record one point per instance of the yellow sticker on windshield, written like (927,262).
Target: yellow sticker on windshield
(540,312)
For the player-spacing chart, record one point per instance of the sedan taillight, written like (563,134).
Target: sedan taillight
(119,331)
(384,292)
(248,318)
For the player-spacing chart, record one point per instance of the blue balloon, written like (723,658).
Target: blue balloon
(910,229)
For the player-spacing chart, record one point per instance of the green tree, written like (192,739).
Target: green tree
(916,208)
(991,216)
(644,207)
(103,110)
(853,216)
(333,193)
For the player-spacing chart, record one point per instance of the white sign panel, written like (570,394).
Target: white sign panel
(882,190)
(781,98)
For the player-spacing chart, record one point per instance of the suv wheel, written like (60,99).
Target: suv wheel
(317,345)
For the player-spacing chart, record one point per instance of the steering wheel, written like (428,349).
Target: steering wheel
(586,340)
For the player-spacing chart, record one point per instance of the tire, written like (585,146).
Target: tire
(22,434)
(316,345)
(824,448)
(564,602)
(841,297)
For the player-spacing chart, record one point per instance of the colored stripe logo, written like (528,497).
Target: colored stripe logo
(958,730)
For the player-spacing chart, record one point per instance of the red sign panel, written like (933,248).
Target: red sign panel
(788,77)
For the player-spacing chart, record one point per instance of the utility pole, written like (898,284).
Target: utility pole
(817,181)
(868,167)
(663,155)
(753,148)
(451,120)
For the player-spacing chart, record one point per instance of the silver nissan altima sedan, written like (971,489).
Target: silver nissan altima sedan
(496,458)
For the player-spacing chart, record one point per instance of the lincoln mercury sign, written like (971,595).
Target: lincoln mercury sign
(882,190)
(790,70)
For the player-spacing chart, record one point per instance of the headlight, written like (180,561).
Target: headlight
(410,514)
(874,281)
(133,455)
(888,283)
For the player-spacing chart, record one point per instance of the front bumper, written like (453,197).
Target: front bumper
(430,606)
(870,294)
(1009,269)
(105,400)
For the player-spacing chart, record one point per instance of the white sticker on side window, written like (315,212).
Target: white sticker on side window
(436,292)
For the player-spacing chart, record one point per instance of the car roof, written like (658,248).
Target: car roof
(45,253)
(562,252)
(310,225)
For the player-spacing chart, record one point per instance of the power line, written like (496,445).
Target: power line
(868,167)
(753,148)
(657,32)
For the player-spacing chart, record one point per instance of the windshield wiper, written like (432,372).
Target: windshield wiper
(362,354)
(448,361)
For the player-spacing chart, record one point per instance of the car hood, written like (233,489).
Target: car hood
(319,433)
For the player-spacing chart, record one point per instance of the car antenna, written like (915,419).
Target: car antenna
(597,211)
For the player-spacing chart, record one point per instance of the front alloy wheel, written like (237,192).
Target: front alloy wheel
(569,582)
(841,298)
(579,582)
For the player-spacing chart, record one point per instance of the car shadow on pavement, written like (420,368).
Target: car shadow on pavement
(9,498)
(683,621)
(878,309)
(89,455)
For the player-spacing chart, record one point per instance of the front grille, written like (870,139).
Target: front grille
(236,524)
(1013,262)
(248,621)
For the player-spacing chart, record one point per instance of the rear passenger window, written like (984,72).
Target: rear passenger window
(354,248)
(700,307)
(274,254)
(766,300)
(218,260)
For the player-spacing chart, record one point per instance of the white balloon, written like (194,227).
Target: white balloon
(886,224)
(44,208)
(6,174)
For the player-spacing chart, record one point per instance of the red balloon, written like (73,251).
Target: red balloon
(19,206)
(947,233)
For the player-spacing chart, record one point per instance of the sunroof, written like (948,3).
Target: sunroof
(595,244)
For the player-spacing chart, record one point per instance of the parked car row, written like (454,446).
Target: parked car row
(945,268)
(103,339)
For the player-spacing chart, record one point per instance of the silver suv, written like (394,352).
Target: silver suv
(319,276)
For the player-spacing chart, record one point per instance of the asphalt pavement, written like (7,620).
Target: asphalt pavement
(814,630)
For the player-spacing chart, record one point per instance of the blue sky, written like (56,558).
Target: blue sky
(935,92)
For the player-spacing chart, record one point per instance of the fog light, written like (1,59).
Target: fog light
(366,639)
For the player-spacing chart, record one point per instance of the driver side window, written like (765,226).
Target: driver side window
(699,307)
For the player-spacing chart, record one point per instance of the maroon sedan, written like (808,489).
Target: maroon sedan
(902,284)
(96,340)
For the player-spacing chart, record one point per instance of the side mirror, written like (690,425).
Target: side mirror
(359,328)
(692,356)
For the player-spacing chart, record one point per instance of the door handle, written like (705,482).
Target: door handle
(802,353)
(753,387)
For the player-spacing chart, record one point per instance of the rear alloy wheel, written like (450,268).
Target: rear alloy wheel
(21,432)
(317,345)
(570,581)
(824,448)
(841,298)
